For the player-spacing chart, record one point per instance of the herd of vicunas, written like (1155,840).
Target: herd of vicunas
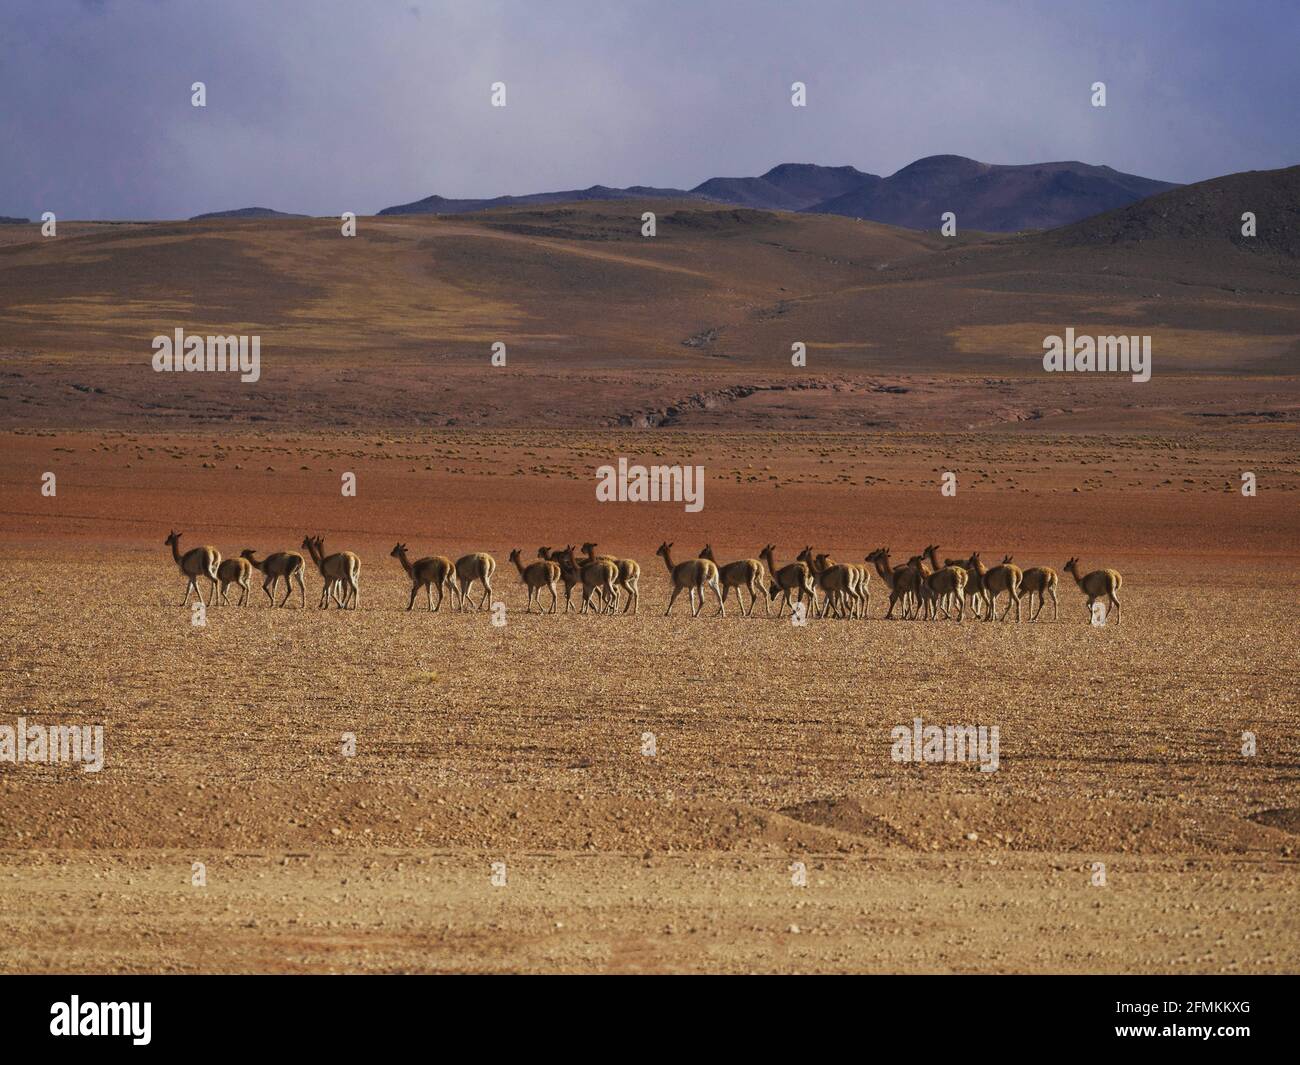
(812,585)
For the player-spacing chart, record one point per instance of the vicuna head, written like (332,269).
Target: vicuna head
(398,551)
(173,539)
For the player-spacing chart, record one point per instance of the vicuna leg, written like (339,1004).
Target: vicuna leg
(671,600)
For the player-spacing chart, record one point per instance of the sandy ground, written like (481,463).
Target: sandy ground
(525,744)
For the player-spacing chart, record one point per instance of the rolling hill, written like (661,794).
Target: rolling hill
(693,328)
(1210,211)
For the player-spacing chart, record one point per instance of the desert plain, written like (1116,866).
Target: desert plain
(503,809)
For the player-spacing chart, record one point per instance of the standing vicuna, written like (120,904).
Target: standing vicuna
(694,575)
(842,584)
(286,565)
(476,566)
(1040,579)
(902,582)
(925,565)
(569,574)
(796,577)
(195,563)
(862,585)
(947,582)
(428,573)
(629,575)
(341,573)
(235,571)
(538,575)
(598,576)
(974,584)
(746,573)
(995,581)
(1096,584)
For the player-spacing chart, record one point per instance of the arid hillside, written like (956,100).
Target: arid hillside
(693,327)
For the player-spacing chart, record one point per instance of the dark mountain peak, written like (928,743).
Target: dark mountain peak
(6,220)
(246,212)
(947,163)
(787,171)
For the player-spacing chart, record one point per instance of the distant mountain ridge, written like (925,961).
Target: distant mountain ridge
(984,196)
(442,205)
(993,198)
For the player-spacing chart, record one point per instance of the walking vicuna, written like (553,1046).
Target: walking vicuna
(974,584)
(746,573)
(195,563)
(1041,580)
(235,571)
(569,574)
(341,573)
(476,566)
(693,575)
(286,565)
(902,582)
(946,583)
(842,584)
(796,577)
(428,573)
(1096,584)
(538,575)
(1004,578)
(600,576)
(629,575)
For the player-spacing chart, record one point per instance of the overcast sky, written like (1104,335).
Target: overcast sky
(326,106)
